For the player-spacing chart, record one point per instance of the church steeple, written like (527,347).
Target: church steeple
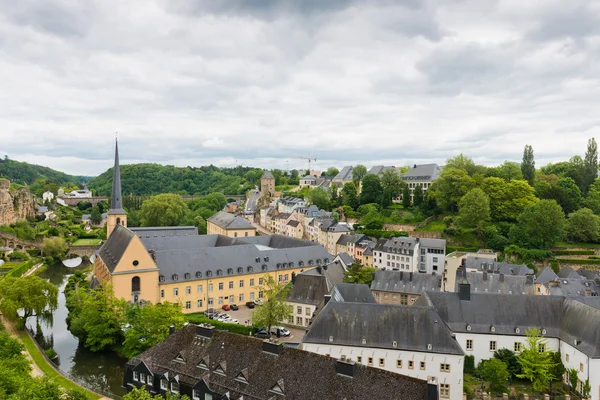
(116,214)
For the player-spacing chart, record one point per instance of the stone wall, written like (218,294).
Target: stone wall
(15,205)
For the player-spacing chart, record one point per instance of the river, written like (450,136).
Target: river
(97,371)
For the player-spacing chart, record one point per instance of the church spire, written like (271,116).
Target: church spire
(116,201)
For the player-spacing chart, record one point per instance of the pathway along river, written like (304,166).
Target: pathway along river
(101,371)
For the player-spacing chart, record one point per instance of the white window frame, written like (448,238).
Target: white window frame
(136,376)
(164,383)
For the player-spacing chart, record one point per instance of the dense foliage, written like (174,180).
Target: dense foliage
(149,179)
(29,296)
(275,308)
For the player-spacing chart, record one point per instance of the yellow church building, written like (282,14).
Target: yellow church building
(177,264)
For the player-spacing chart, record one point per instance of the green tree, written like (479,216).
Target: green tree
(507,199)
(392,185)
(590,164)
(275,308)
(569,194)
(464,163)
(406,201)
(474,208)
(536,365)
(371,191)
(96,215)
(54,247)
(528,165)
(163,210)
(14,365)
(583,226)
(149,324)
(372,220)
(559,368)
(509,171)
(573,378)
(201,224)
(359,274)
(76,394)
(543,224)
(29,296)
(142,394)
(418,196)
(592,200)
(509,358)
(349,196)
(494,371)
(97,316)
(38,388)
(320,198)
(358,173)
(450,187)
(332,171)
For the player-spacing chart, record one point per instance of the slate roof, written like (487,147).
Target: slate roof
(351,238)
(433,243)
(564,318)
(485,264)
(568,272)
(570,287)
(380,169)
(346,258)
(113,249)
(381,326)
(309,178)
(344,175)
(116,199)
(405,282)
(42,209)
(164,231)
(546,275)
(300,374)
(229,221)
(199,254)
(589,274)
(293,223)
(498,283)
(352,293)
(311,286)
(267,175)
(337,227)
(423,172)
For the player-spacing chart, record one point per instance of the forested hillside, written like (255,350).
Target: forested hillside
(39,177)
(147,179)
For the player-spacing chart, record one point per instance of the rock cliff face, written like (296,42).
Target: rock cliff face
(16,205)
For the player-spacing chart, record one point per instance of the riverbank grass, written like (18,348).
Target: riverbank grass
(48,370)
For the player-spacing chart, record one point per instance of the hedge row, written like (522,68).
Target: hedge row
(199,318)
(22,268)
(379,233)
(578,261)
(573,252)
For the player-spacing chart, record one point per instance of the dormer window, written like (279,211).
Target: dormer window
(175,387)
(240,270)
(164,384)
(310,262)
(257,259)
(291,264)
(264,267)
(326,260)
(230,271)
(187,275)
(161,278)
(208,273)
(198,274)
(284,265)
(318,261)
(278,265)
(175,277)
(301,263)
(179,358)
(219,272)
(266,259)
(250,269)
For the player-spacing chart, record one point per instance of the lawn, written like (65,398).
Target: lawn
(87,242)
(577,245)
(46,368)
(433,226)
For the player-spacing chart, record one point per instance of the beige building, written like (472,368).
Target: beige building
(267,187)
(230,225)
(399,287)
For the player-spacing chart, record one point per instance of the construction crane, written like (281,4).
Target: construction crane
(309,158)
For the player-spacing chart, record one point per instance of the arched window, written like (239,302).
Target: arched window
(135,284)
(118,221)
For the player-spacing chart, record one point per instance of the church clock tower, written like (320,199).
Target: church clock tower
(116,214)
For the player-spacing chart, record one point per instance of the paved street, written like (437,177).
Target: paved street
(243,316)
(252,202)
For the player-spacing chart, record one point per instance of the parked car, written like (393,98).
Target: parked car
(262,334)
(281,329)
(258,302)
(209,311)
(250,304)
(234,307)
(226,307)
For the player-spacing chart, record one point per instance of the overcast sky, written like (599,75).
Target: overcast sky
(190,82)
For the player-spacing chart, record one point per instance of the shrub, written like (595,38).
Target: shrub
(17,255)
(199,318)
(578,261)
(573,252)
(469,364)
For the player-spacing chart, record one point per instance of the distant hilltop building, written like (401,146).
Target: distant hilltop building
(421,175)
(47,196)
(80,193)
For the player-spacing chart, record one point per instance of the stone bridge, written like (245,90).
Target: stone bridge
(73,201)
(10,240)
(83,251)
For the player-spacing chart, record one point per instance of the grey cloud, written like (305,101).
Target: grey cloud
(56,18)
(570,19)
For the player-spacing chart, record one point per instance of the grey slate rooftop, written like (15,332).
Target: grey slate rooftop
(498,283)
(560,317)
(485,264)
(352,293)
(344,175)
(246,367)
(382,326)
(405,282)
(346,259)
(267,175)
(546,275)
(113,249)
(423,172)
(380,169)
(229,221)
(164,231)
(311,286)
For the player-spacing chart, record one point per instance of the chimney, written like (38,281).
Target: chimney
(464,291)
(205,330)
(345,368)
(501,277)
(485,276)
(529,279)
(320,270)
(327,298)
(270,347)
(415,166)
(588,292)
(293,278)
(401,275)
(171,330)
(410,277)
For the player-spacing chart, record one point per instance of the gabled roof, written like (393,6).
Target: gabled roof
(405,282)
(293,223)
(346,258)
(486,264)
(568,272)
(352,293)
(309,178)
(498,283)
(564,318)
(311,286)
(269,367)
(164,231)
(351,238)
(546,275)
(229,221)
(570,287)
(380,169)
(344,175)
(382,326)
(113,249)
(423,172)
